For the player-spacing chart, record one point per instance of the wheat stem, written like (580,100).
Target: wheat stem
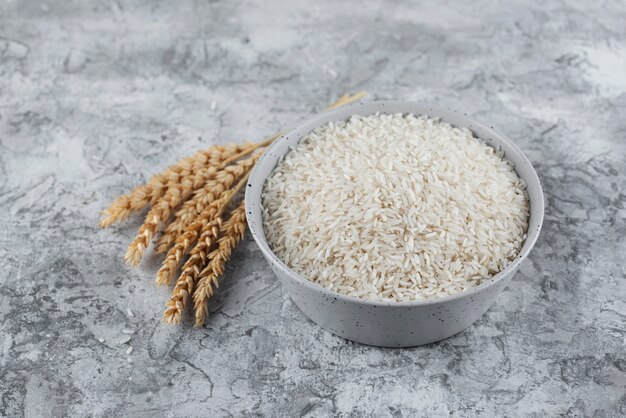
(346,98)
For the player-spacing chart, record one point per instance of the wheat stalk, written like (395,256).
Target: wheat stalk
(230,234)
(157,185)
(197,191)
(202,198)
(343,100)
(346,98)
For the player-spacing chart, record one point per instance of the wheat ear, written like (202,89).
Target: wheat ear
(156,187)
(163,209)
(186,281)
(185,241)
(201,199)
(230,234)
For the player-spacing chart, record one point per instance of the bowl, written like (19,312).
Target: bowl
(392,324)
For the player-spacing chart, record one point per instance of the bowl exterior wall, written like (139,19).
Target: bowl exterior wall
(390,326)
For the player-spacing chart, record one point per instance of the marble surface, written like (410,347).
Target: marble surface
(97,95)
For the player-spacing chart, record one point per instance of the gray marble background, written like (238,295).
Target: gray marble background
(97,95)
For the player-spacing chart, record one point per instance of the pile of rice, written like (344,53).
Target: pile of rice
(395,208)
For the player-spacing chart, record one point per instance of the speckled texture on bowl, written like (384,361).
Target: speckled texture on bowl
(392,324)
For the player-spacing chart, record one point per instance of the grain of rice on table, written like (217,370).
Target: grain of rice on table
(395,208)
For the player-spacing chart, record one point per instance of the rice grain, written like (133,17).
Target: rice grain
(395,208)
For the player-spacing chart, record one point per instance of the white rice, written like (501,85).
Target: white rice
(394,208)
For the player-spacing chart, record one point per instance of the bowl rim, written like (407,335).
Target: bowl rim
(322,118)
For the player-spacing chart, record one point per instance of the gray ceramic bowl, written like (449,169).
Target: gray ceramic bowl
(391,324)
